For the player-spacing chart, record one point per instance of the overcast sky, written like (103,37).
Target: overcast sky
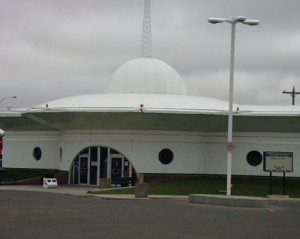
(52,49)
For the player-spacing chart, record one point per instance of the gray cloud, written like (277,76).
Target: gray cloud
(51,49)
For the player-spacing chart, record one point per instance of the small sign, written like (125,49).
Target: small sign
(278,161)
(49,183)
(230,147)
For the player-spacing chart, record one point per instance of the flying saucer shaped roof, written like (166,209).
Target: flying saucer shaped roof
(156,103)
(131,102)
(147,75)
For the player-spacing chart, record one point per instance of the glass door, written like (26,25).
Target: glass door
(127,170)
(83,169)
(116,167)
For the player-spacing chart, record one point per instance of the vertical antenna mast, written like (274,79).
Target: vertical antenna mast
(146,37)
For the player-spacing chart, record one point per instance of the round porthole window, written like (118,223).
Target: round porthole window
(37,153)
(165,156)
(254,158)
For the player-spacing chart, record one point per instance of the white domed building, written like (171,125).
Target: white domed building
(145,123)
(147,76)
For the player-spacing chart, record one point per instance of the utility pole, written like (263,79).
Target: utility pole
(292,93)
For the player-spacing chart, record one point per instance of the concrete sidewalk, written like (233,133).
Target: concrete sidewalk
(88,191)
(71,190)
(83,191)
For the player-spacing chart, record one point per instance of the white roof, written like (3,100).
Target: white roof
(12,113)
(269,110)
(147,75)
(153,103)
(130,102)
(159,103)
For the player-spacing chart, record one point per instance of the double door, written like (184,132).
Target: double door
(120,167)
(87,170)
(89,167)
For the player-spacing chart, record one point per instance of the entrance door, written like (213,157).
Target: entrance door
(83,169)
(116,167)
(94,164)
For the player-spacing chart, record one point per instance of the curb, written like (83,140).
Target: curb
(232,201)
(118,197)
(132,197)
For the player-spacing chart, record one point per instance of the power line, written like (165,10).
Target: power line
(292,93)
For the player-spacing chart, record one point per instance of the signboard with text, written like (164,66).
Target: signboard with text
(278,161)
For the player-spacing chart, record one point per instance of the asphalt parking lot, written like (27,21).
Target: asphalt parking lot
(47,215)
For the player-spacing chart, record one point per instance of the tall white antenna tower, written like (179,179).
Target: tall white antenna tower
(146,38)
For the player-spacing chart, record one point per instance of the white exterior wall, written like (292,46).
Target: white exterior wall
(194,153)
(18,148)
(244,143)
(142,149)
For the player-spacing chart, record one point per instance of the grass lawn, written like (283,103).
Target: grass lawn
(20,174)
(212,185)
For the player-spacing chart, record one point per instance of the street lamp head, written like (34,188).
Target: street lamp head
(214,20)
(240,19)
(251,22)
(8,97)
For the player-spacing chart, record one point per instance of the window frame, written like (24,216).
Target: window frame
(167,158)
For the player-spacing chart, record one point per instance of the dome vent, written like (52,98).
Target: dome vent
(147,75)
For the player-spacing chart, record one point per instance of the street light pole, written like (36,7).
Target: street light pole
(230,116)
(233,22)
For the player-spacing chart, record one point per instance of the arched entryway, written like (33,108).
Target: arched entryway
(101,166)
